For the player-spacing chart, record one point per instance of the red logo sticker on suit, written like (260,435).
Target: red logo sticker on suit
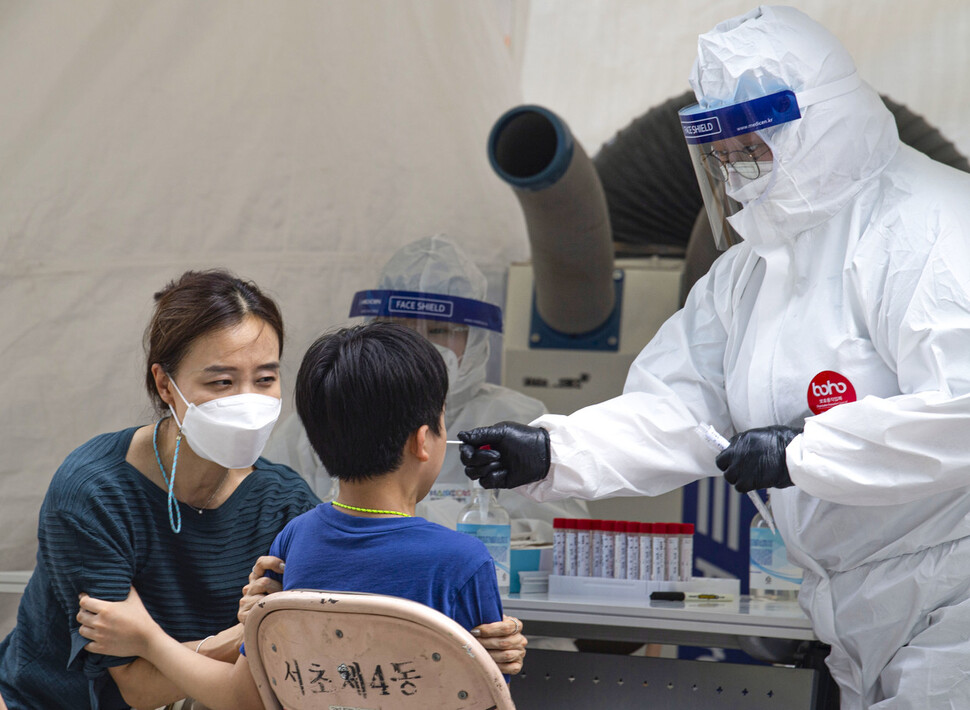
(829,389)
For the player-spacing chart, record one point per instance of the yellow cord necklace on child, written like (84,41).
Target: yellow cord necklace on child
(369,510)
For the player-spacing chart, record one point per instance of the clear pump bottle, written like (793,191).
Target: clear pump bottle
(485,519)
(771,576)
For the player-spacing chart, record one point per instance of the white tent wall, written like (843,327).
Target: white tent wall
(296,143)
(299,143)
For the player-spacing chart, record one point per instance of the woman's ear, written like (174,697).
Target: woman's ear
(417,444)
(163,384)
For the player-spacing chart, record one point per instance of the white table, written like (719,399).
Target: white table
(717,624)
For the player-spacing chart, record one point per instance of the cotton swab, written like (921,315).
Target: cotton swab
(719,443)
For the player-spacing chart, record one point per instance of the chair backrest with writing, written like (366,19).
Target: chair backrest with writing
(318,649)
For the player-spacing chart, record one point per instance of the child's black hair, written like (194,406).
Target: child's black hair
(362,391)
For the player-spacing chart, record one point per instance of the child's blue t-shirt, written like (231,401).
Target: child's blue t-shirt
(404,557)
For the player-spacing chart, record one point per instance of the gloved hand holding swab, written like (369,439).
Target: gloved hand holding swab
(718,443)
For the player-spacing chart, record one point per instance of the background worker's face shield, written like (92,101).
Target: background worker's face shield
(444,320)
(453,336)
(731,152)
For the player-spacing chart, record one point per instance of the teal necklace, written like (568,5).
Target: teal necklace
(171,503)
(175,521)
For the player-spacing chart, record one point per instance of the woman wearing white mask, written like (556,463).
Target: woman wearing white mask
(179,509)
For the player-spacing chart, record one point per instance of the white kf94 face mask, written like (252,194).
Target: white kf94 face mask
(230,431)
(746,189)
(451,363)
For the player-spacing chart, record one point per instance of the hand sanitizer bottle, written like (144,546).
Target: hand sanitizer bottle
(771,576)
(485,519)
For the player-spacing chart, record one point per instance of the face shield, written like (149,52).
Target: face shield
(446,321)
(731,150)
(453,336)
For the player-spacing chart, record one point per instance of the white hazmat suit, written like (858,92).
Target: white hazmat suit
(436,265)
(851,288)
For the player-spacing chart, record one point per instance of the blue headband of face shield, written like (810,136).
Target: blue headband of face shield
(707,125)
(428,306)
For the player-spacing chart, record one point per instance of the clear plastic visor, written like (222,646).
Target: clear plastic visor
(723,167)
(453,336)
(728,152)
(443,319)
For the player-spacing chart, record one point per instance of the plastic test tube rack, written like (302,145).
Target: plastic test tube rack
(616,558)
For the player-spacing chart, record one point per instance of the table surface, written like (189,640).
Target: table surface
(674,622)
(689,623)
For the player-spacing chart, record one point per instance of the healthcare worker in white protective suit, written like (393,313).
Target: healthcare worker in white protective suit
(445,292)
(845,311)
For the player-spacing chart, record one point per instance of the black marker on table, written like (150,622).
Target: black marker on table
(690,597)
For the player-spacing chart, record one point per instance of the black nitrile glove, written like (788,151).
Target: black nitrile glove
(756,458)
(505,455)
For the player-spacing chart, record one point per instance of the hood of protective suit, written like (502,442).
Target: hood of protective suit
(437,265)
(823,159)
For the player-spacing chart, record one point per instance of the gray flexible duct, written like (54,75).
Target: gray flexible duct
(650,186)
(566,216)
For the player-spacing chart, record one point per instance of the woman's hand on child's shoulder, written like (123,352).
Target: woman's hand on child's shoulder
(259,586)
(504,642)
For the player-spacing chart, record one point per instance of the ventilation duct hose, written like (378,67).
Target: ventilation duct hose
(566,216)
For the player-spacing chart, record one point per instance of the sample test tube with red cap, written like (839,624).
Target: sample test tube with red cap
(646,550)
(559,546)
(583,548)
(609,543)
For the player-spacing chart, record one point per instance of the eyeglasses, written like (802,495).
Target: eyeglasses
(427,327)
(447,329)
(744,162)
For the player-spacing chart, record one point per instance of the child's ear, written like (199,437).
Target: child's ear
(417,443)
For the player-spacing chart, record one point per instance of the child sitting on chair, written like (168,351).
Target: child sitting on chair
(372,401)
